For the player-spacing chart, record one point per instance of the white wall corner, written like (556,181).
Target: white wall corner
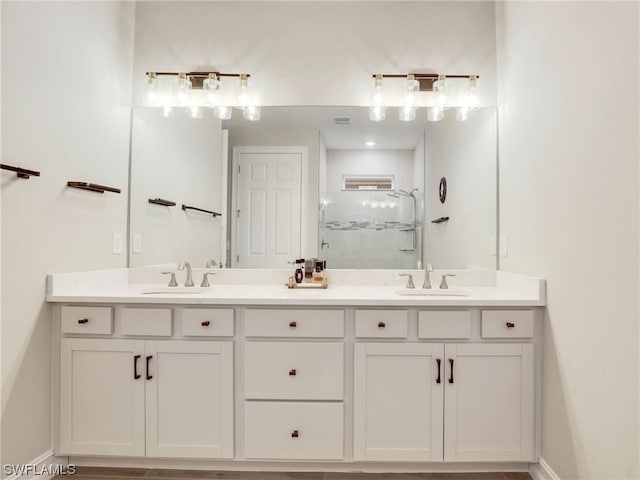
(45,467)
(542,471)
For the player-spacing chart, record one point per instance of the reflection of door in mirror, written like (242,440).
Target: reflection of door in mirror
(268,205)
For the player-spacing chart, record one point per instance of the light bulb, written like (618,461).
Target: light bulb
(153,98)
(183,89)
(243,93)
(211,87)
(435,114)
(377,113)
(252,112)
(222,112)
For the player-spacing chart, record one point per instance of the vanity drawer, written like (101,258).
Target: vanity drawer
(381,323)
(293,371)
(507,323)
(151,322)
(207,322)
(87,320)
(444,324)
(295,431)
(294,323)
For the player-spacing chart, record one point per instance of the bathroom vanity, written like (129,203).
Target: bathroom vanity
(243,376)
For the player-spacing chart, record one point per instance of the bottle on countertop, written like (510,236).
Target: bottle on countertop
(299,275)
(318,273)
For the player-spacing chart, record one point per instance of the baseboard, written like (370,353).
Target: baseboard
(542,471)
(45,467)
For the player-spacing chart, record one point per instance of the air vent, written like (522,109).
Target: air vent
(350,183)
(342,120)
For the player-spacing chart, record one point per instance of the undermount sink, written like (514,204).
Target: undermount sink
(410,292)
(174,290)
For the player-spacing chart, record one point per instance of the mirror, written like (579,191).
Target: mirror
(354,205)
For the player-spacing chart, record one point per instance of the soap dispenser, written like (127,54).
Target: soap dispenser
(299,273)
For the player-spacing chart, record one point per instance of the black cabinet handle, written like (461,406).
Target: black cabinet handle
(206,323)
(381,325)
(293,373)
(295,434)
(451,364)
(136,375)
(82,321)
(149,357)
(510,324)
(438,362)
(293,324)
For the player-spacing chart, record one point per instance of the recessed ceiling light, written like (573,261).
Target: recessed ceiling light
(370,143)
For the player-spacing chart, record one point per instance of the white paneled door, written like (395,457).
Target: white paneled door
(269,209)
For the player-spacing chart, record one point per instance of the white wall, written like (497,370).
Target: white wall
(66,76)
(178,159)
(569,205)
(317,53)
(464,153)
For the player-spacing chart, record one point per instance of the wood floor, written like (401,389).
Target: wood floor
(99,473)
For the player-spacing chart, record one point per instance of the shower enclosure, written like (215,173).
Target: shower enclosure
(371,229)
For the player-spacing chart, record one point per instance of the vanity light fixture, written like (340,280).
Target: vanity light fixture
(195,90)
(438,92)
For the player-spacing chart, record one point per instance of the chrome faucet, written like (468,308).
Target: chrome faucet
(427,276)
(189,281)
(410,283)
(443,283)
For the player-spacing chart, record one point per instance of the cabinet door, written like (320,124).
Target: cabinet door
(189,399)
(398,402)
(489,412)
(101,401)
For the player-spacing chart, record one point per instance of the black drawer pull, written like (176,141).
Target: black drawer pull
(438,362)
(295,434)
(381,325)
(293,324)
(293,373)
(451,364)
(136,375)
(149,357)
(510,324)
(82,321)
(206,323)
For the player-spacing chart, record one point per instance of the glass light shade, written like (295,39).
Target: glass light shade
(407,113)
(441,90)
(411,90)
(223,112)
(377,114)
(252,112)
(211,88)
(153,98)
(469,96)
(194,112)
(243,92)
(463,114)
(377,92)
(435,114)
(183,90)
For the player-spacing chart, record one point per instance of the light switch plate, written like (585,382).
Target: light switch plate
(136,243)
(117,242)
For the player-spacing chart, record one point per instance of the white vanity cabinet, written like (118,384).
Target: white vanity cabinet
(143,396)
(452,402)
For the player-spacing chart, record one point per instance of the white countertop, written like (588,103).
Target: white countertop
(500,290)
